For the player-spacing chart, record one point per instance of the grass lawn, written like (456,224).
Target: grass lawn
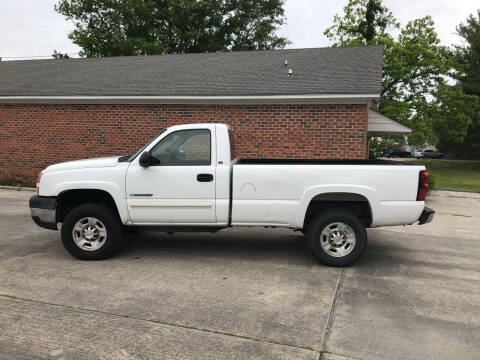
(454,174)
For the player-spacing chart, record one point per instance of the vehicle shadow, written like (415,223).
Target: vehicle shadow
(279,245)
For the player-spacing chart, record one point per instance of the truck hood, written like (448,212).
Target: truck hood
(83,164)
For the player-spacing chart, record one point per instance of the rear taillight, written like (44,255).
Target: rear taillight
(422,185)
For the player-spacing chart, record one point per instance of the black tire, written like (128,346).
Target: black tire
(321,221)
(112,226)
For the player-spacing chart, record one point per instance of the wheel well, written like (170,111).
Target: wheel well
(70,199)
(356,203)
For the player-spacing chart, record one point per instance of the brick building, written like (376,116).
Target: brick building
(302,103)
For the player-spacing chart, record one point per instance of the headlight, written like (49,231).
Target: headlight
(38,183)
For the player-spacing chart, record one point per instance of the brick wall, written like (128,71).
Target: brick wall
(33,136)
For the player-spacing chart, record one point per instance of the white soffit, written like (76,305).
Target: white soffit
(378,123)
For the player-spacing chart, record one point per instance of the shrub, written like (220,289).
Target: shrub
(9,180)
(432,180)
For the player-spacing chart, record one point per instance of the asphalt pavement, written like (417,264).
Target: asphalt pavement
(243,293)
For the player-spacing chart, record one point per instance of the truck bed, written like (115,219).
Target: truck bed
(275,191)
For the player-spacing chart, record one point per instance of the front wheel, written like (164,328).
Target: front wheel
(337,237)
(91,232)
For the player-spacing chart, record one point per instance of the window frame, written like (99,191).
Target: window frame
(180,130)
(142,149)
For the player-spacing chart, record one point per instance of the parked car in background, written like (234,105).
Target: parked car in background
(418,154)
(397,153)
(432,154)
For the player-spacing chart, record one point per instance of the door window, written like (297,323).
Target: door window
(184,148)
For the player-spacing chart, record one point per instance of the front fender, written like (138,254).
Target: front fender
(369,193)
(110,187)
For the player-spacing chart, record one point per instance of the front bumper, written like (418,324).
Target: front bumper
(427,216)
(43,211)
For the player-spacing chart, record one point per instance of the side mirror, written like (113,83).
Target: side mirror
(145,159)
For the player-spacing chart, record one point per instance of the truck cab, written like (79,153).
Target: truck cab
(183,179)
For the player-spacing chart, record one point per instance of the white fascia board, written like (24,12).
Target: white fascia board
(264,99)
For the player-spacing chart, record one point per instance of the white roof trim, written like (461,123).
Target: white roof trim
(263,99)
(379,123)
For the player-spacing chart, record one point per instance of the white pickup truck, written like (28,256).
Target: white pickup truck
(187,179)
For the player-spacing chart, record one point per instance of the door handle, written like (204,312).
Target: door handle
(204,177)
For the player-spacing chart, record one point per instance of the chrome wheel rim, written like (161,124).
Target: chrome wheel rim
(337,239)
(89,234)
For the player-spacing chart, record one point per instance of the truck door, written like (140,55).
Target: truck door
(179,185)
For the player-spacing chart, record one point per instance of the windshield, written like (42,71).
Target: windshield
(129,158)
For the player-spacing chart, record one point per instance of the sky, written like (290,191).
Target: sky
(31,28)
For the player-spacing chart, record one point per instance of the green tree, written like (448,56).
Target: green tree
(58,55)
(452,114)
(364,22)
(469,54)
(468,75)
(145,27)
(415,63)
(416,67)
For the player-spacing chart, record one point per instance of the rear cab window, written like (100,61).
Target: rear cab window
(233,151)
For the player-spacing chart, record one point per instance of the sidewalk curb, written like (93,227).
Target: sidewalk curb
(464,191)
(17,188)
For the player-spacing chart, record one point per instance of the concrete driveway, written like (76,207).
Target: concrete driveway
(243,293)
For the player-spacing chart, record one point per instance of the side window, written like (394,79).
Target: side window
(184,148)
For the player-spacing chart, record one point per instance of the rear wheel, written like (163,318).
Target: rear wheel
(337,237)
(91,232)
